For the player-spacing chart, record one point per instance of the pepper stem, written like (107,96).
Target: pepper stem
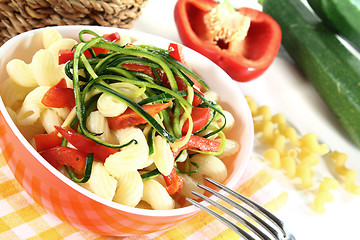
(226,24)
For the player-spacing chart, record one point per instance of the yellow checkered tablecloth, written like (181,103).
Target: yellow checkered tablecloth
(22,218)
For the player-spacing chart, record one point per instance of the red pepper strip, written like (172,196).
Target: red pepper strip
(176,52)
(200,143)
(66,55)
(132,118)
(59,96)
(58,156)
(86,145)
(46,141)
(244,60)
(112,37)
(164,80)
(200,117)
(174,182)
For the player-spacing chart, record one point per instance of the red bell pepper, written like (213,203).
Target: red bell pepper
(59,96)
(220,39)
(47,141)
(58,156)
(200,143)
(200,117)
(176,52)
(132,118)
(86,145)
(174,182)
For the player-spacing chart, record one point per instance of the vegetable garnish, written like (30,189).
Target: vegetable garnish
(244,42)
(170,101)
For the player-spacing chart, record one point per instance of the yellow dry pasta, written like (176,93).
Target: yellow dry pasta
(310,142)
(273,155)
(349,175)
(304,170)
(324,194)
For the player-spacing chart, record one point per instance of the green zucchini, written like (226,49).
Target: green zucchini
(342,16)
(331,68)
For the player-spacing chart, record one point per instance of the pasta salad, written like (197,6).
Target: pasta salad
(128,121)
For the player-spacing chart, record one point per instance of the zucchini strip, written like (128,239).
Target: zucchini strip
(87,174)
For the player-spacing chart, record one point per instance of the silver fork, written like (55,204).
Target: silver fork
(271,228)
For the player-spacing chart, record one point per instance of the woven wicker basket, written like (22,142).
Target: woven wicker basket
(17,16)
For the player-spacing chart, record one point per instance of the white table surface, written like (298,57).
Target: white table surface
(287,91)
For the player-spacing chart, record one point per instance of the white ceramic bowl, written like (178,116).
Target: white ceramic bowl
(74,204)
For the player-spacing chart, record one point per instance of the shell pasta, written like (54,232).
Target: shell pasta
(126,121)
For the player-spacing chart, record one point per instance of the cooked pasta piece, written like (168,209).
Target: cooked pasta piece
(21,73)
(49,118)
(156,195)
(212,96)
(163,156)
(110,106)
(26,131)
(49,36)
(13,94)
(210,166)
(190,184)
(64,43)
(131,157)
(97,123)
(124,39)
(100,182)
(45,69)
(231,147)
(229,121)
(31,108)
(130,188)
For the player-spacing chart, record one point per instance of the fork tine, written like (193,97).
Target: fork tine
(254,205)
(233,215)
(241,232)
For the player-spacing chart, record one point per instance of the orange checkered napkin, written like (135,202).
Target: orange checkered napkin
(22,218)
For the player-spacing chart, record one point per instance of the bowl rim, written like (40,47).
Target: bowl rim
(232,183)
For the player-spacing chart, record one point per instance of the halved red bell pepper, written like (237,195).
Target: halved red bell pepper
(86,145)
(71,157)
(200,117)
(59,96)
(174,182)
(132,118)
(200,143)
(204,26)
